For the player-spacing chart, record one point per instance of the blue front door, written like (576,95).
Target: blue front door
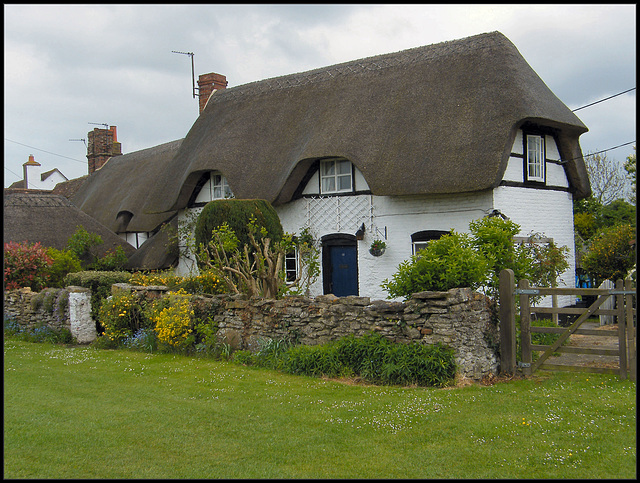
(344,270)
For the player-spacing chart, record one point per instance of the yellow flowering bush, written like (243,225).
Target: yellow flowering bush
(206,282)
(121,315)
(173,318)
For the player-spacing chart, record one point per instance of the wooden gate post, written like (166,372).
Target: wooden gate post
(630,326)
(525,327)
(622,335)
(507,322)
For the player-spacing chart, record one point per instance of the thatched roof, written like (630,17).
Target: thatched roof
(115,195)
(435,119)
(68,188)
(41,216)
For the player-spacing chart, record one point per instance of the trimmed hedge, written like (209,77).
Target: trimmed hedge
(237,214)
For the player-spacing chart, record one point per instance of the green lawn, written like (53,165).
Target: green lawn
(79,412)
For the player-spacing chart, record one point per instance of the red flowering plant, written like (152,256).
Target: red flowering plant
(26,265)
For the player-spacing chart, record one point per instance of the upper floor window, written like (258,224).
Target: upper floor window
(336,176)
(214,187)
(535,157)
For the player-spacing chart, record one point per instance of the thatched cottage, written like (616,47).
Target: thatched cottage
(401,147)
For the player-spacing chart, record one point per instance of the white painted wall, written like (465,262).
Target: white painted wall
(34,179)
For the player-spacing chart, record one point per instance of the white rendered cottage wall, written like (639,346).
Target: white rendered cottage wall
(545,211)
(397,217)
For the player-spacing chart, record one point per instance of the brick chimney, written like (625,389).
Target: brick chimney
(102,144)
(207,83)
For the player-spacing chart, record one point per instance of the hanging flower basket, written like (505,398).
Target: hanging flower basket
(377,248)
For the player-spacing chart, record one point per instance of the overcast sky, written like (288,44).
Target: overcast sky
(67,66)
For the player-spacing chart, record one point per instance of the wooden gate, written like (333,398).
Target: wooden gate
(624,313)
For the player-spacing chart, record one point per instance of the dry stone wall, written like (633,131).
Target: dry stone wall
(19,305)
(459,318)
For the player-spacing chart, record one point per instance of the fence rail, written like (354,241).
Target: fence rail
(624,313)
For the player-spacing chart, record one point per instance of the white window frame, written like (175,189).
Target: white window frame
(535,157)
(333,174)
(216,188)
(291,257)
(418,245)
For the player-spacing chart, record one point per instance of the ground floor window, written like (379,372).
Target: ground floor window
(421,239)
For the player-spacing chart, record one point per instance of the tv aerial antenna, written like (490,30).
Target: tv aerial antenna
(193,74)
(83,140)
(106,126)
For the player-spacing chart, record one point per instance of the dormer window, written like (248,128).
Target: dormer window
(534,159)
(336,176)
(214,187)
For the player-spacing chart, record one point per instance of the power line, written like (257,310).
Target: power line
(48,152)
(598,152)
(605,99)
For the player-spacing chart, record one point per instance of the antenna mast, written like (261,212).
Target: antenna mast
(193,74)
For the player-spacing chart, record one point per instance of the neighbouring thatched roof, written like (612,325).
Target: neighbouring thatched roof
(115,195)
(435,119)
(69,188)
(40,216)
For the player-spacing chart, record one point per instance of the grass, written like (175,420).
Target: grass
(80,412)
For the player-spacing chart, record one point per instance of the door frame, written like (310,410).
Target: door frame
(336,239)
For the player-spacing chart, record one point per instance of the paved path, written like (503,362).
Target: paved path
(594,341)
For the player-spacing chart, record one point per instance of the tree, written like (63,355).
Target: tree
(611,254)
(630,168)
(257,268)
(608,179)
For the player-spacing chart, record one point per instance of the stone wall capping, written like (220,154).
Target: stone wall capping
(429,295)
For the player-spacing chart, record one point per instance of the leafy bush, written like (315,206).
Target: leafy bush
(446,263)
(81,243)
(237,214)
(63,262)
(372,357)
(611,253)
(111,261)
(26,265)
(122,315)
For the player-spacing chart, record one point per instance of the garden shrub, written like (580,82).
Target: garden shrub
(446,263)
(81,243)
(112,260)
(121,315)
(611,254)
(63,262)
(371,357)
(173,319)
(206,282)
(237,214)
(26,265)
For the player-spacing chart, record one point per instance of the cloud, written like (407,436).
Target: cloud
(69,65)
